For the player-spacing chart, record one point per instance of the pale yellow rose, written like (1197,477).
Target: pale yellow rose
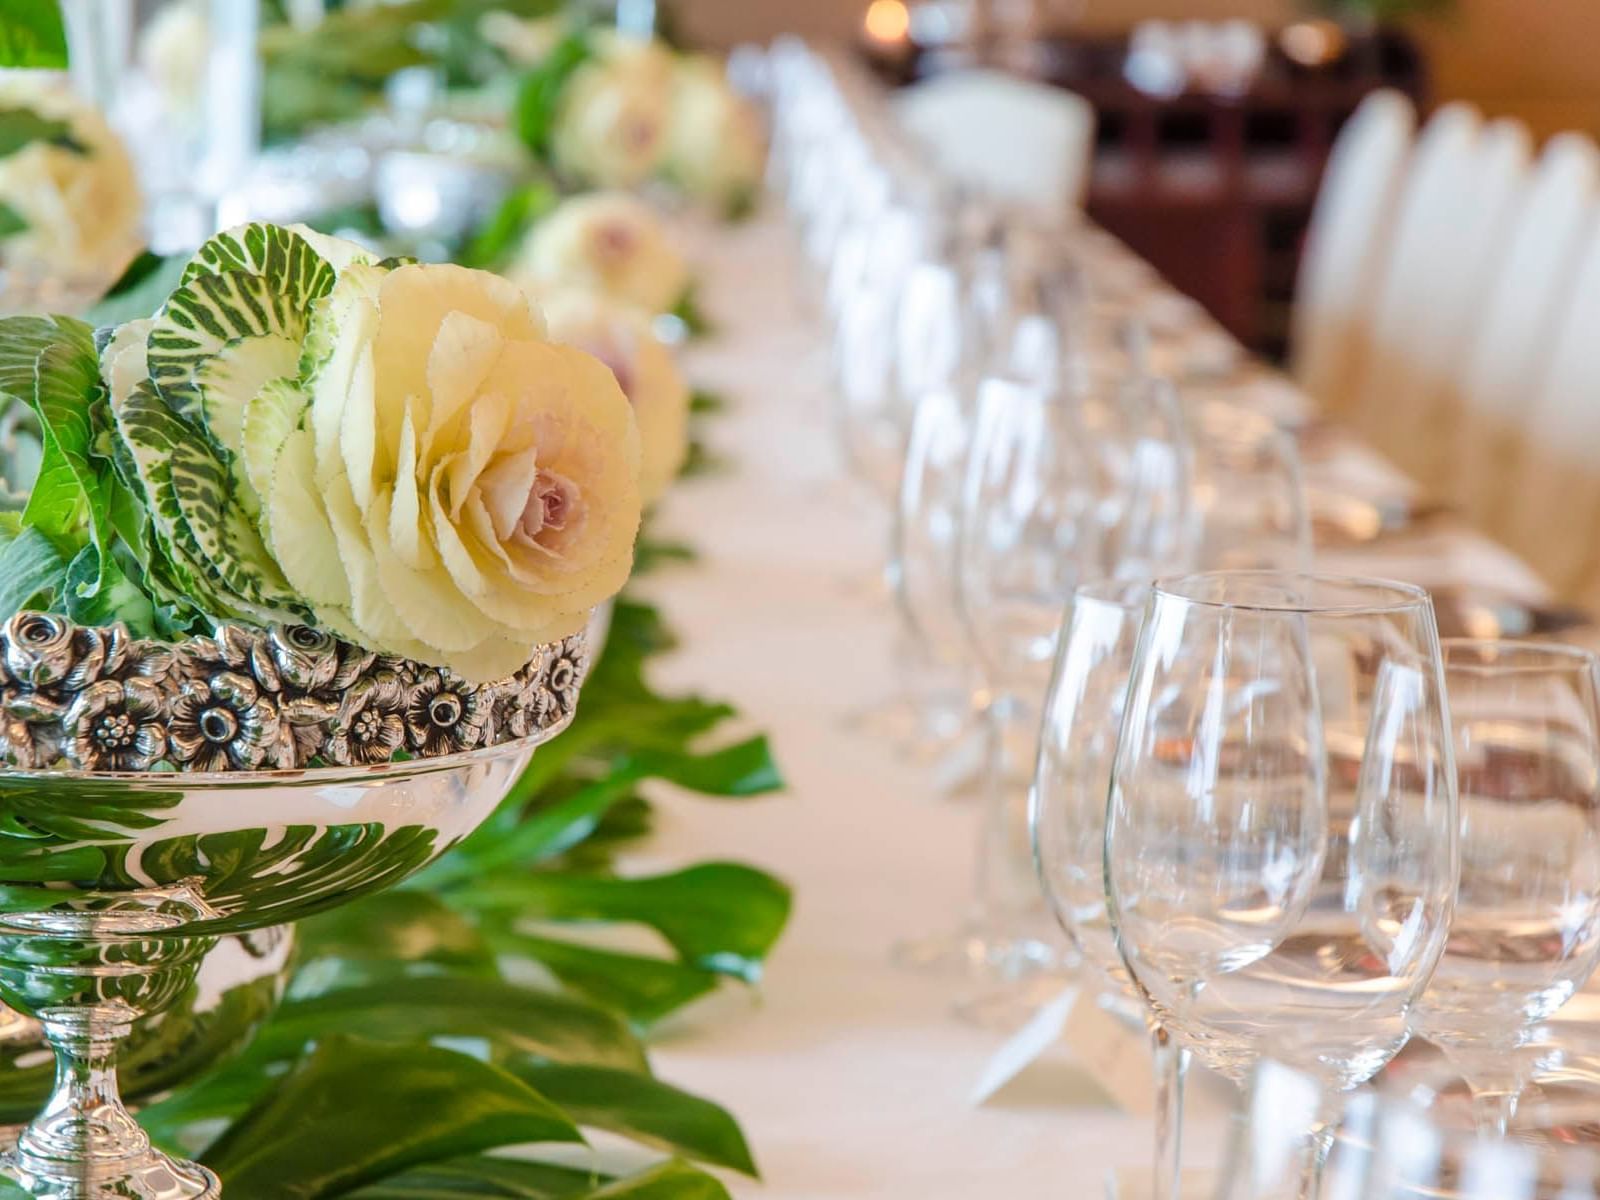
(716,149)
(610,126)
(609,243)
(82,207)
(462,489)
(646,369)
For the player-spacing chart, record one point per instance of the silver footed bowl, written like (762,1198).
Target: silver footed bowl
(158,797)
(236,988)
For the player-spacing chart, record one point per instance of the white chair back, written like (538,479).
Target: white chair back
(1011,139)
(1516,330)
(1452,217)
(1554,502)
(1348,241)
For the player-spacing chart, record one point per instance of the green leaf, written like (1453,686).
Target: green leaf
(394,928)
(650,554)
(11,221)
(688,310)
(142,290)
(646,989)
(30,567)
(492,245)
(21,127)
(669,1181)
(58,504)
(743,769)
(354,1112)
(471,1178)
(539,95)
(413,1009)
(645,1110)
(721,917)
(32,34)
(68,491)
(703,402)
(543,834)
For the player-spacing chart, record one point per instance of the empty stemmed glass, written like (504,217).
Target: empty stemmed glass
(1025,535)
(1526,930)
(1281,833)
(1415,1137)
(1067,818)
(1249,497)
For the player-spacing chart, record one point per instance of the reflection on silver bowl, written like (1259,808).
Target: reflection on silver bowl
(116,884)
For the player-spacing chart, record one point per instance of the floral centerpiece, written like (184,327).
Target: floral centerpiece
(360,457)
(69,201)
(298,590)
(608,110)
(611,244)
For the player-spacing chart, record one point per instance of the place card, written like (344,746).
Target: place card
(1116,1054)
(1112,1053)
(1043,1030)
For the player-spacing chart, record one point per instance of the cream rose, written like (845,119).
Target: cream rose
(716,150)
(610,127)
(645,368)
(609,243)
(81,206)
(401,452)
(464,488)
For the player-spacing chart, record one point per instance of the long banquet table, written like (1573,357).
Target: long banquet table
(850,1075)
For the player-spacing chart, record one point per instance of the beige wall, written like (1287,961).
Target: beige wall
(1538,59)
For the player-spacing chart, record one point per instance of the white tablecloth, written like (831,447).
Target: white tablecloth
(850,1075)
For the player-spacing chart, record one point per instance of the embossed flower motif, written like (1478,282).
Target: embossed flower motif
(371,723)
(30,727)
(521,707)
(314,672)
(445,714)
(45,664)
(42,651)
(116,726)
(226,723)
(563,676)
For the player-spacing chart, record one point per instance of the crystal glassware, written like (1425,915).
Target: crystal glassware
(1281,833)
(292,795)
(1413,1134)
(1067,819)
(1526,930)
(1249,507)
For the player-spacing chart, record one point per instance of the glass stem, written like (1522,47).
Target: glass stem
(1494,1107)
(992,822)
(1319,1143)
(1171,1062)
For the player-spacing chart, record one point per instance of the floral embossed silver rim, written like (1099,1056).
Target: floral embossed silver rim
(249,699)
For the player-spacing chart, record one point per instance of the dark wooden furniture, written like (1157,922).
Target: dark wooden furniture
(1216,191)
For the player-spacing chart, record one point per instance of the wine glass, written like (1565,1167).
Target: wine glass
(1067,818)
(1414,1135)
(1281,834)
(872,413)
(1249,498)
(939,353)
(1526,931)
(1023,537)
(119,877)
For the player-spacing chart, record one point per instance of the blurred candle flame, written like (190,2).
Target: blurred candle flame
(887,21)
